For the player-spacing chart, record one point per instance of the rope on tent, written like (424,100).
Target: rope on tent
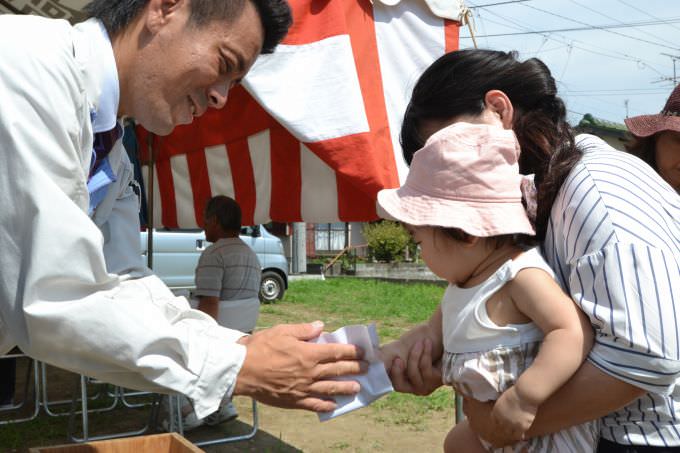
(467,18)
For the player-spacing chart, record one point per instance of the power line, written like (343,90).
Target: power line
(613,94)
(645,13)
(620,22)
(576,113)
(499,3)
(571,42)
(595,26)
(615,90)
(588,28)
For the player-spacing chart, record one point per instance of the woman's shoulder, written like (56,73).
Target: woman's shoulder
(604,166)
(611,195)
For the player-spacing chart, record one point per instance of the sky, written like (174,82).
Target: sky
(610,73)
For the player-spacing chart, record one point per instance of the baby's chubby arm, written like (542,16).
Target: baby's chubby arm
(568,339)
(411,361)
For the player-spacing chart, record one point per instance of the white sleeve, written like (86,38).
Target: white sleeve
(57,302)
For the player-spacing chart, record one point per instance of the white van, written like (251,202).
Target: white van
(176,254)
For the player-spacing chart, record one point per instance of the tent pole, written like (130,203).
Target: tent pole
(149,199)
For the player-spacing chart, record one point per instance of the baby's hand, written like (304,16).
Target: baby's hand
(390,351)
(417,374)
(513,415)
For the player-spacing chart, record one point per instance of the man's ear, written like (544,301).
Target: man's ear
(159,12)
(499,104)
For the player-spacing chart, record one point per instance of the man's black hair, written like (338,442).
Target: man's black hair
(226,210)
(275,15)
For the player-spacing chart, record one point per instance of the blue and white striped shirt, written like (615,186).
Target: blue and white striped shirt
(614,242)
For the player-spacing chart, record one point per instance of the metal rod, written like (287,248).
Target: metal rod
(150,203)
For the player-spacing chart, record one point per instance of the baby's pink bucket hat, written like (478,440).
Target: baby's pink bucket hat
(467,177)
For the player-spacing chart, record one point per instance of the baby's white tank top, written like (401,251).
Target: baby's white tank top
(466,323)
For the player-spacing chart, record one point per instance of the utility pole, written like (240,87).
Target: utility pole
(299,263)
(625,102)
(674,58)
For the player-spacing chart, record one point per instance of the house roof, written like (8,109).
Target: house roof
(594,125)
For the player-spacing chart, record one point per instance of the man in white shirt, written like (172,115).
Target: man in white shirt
(63,88)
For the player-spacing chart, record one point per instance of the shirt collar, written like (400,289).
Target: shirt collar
(93,50)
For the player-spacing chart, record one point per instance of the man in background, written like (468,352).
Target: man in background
(228,279)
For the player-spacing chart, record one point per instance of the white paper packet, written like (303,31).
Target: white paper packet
(374,384)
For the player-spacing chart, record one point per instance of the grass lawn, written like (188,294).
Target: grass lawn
(394,307)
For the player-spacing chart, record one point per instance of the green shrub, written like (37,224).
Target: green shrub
(387,240)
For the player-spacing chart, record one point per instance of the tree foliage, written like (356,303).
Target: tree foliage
(387,240)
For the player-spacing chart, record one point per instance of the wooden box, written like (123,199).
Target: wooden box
(157,443)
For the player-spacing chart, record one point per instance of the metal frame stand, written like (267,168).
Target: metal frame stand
(85,413)
(36,387)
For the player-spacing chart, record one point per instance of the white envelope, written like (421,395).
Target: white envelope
(374,384)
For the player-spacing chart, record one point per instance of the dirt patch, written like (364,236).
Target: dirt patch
(361,431)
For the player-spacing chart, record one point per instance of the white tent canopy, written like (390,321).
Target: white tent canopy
(72,9)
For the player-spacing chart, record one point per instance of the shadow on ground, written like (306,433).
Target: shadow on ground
(262,442)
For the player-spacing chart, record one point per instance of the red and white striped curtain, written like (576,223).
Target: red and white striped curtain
(312,135)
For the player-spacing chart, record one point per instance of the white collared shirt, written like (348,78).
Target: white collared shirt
(58,303)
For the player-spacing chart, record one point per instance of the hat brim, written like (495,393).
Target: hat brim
(481,219)
(647,125)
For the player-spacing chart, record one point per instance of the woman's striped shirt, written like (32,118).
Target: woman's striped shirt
(614,242)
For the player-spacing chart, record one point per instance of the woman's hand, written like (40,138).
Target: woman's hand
(513,415)
(418,375)
(479,418)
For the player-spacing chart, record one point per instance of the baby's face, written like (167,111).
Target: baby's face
(437,249)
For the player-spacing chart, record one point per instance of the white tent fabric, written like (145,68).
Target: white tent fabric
(71,9)
(446,9)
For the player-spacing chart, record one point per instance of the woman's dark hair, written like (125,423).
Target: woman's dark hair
(226,210)
(644,148)
(275,15)
(456,84)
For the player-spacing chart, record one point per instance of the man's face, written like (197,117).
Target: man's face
(181,69)
(211,228)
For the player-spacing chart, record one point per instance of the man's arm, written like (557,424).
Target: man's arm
(57,300)
(209,305)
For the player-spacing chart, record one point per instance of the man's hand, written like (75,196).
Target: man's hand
(418,376)
(282,369)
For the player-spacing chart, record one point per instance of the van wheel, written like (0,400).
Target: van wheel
(271,287)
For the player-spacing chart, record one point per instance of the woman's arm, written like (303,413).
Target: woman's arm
(581,399)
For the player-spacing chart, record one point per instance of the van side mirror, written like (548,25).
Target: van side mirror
(256,231)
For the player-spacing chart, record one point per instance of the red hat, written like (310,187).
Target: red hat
(667,120)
